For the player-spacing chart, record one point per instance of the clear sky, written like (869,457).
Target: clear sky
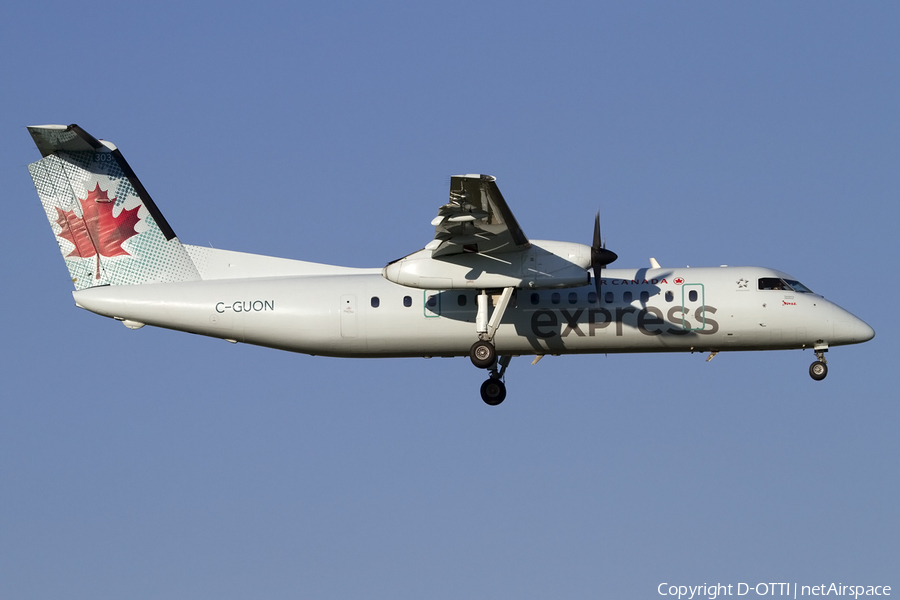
(152,464)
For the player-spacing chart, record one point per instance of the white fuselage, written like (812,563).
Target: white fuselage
(480,287)
(358,313)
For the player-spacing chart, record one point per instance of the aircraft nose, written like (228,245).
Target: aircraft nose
(853,330)
(864,331)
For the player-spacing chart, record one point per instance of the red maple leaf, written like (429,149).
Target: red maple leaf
(97,232)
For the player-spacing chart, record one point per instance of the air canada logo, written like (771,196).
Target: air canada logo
(97,232)
(678,280)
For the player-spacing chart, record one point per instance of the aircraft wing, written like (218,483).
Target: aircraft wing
(475,219)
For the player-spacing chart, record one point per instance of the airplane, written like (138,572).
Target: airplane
(480,288)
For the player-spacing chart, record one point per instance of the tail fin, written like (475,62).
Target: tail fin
(108,228)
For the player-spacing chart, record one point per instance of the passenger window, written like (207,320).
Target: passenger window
(645,297)
(573,297)
(375,302)
(670,296)
(461,299)
(432,301)
(626,297)
(692,295)
(592,297)
(407,301)
(535,298)
(555,297)
(609,298)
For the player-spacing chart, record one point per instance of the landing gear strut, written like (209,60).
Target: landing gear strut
(819,369)
(483,353)
(493,391)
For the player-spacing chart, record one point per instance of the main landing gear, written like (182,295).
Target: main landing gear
(819,369)
(493,391)
(483,353)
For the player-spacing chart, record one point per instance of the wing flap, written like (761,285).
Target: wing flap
(476,219)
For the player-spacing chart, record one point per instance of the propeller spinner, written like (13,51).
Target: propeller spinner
(600,256)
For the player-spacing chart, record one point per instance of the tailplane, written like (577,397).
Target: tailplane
(108,228)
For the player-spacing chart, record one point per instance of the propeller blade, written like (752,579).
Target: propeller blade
(600,256)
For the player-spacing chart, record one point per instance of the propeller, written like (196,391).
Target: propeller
(600,256)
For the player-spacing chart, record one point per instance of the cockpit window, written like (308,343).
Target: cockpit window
(798,287)
(771,283)
(788,285)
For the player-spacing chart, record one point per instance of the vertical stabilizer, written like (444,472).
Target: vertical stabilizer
(108,228)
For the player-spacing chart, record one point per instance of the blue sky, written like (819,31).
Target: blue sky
(152,464)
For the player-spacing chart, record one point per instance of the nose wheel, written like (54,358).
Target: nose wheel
(818,370)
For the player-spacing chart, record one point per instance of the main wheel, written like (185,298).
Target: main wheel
(818,370)
(493,391)
(483,354)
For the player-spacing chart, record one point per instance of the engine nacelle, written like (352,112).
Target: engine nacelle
(546,264)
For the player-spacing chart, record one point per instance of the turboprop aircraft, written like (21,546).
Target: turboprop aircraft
(480,288)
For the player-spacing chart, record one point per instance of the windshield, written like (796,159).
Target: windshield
(798,287)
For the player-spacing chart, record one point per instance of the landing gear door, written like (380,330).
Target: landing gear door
(432,303)
(693,298)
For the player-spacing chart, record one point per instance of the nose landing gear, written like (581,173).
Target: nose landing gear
(819,369)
